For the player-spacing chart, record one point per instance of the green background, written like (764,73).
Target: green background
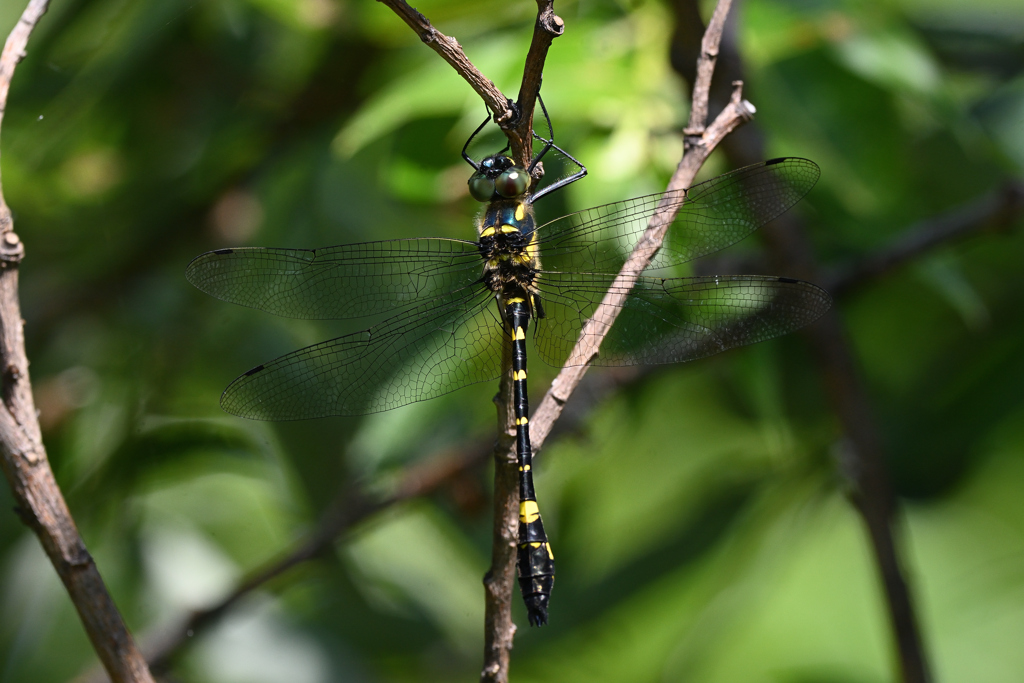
(699,522)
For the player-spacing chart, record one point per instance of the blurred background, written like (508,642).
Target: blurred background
(698,514)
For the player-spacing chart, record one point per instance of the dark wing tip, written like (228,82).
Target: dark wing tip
(824,301)
(249,397)
(793,160)
(254,396)
(260,368)
(806,164)
(235,404)
(802,174)
(193,269)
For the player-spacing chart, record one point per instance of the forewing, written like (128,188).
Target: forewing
(439,346)
(670,320)
(347,281)
(711,216)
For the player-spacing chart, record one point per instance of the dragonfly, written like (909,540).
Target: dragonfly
(455,307)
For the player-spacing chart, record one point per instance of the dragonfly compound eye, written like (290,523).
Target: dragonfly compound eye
(511,183)
(481,187)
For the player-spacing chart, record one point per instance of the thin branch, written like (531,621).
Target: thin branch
(14,48)
(517,123)
(22,454)
(863,453)
(516,120)
(499,580)
(705,70)
(350,508)
(547,27)
(993,212)
(593,333)
(451,52)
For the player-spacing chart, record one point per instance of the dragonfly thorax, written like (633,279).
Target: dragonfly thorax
(508,247)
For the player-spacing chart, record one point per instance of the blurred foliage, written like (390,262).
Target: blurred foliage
(700,524)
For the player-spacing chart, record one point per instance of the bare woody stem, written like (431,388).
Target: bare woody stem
(700,141)
(699,146)
(548,27)
(22,454)
(450,51)
(863,455)
(593,333)
(514,118)
(705,70)
(993,212)
(499,582)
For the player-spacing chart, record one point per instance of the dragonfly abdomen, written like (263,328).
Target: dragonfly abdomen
(534,557)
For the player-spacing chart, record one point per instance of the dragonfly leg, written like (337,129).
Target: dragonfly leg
(549,143)
(465,155)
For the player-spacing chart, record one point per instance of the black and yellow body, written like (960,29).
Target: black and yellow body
(535,560)
(508,246)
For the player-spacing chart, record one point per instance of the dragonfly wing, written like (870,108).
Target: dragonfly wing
(428,351)
(670,320)
(347,281)
(711,216)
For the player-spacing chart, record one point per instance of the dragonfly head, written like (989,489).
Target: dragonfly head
(498,177)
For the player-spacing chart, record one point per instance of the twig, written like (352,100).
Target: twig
(22,454)
(594,331)
(516,120)
(994,211)
(548,27)
(705,69)
(863,461)
(598,326)
(499,581)
(451,52)
(350,507)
